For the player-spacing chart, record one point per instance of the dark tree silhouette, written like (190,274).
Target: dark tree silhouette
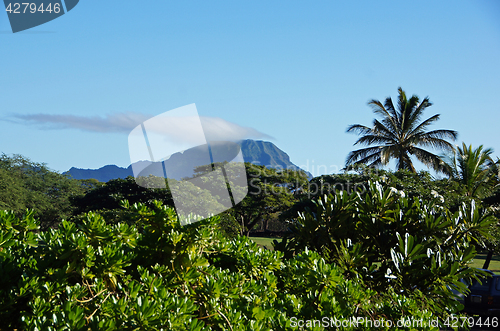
(400,134)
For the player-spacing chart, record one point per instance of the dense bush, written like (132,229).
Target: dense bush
(144,271)
(394,242)
(267,193)
(415,185)
(108,196)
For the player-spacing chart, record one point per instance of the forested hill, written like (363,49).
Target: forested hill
(254,151)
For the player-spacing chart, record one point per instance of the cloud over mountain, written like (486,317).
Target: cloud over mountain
(178,129)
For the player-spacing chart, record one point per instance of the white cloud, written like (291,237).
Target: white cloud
(215,128)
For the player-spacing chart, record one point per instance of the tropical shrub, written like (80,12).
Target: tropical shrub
(419,185)
(474,169)
(144,271)
(393,242)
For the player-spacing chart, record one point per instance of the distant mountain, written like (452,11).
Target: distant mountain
(103,174)
(254,151)
(267,154)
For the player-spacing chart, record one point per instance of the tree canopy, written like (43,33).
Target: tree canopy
(475,169)
(400,134)
(270,191)
(25,184)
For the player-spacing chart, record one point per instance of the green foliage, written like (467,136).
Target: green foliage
(108,196)
(229,226)
(447,192)
(475,170)
(324,293)
(270,192)
(28,185)
(382,237)
(144,271)
(400,134)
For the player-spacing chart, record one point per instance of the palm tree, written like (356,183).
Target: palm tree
(478,173)
(475,169)
(399,135)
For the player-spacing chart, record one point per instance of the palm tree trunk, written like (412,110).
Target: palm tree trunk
(488,259)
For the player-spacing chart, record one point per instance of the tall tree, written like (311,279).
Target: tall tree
(400,134)
(108,196)
(270,192)
(475,169)
(494,199)
(25,184)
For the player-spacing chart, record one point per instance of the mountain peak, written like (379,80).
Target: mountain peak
(257,152)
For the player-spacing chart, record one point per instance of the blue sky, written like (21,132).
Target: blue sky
(299,72)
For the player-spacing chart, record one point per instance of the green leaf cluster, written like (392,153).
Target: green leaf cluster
(391,241)
(143,270)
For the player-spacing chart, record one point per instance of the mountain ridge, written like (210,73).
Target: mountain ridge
(258,152)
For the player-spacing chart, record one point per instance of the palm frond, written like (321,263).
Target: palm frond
(395,116)
(376,163)
(475,169)
(399,133)
(384,130)
(439,134)
(363,155)
(421,127)
(448,165)
(389,116)
(402,101)
(419,110)
(429,159)
(407,113)
(431,140)
(359,129)
(374,139)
